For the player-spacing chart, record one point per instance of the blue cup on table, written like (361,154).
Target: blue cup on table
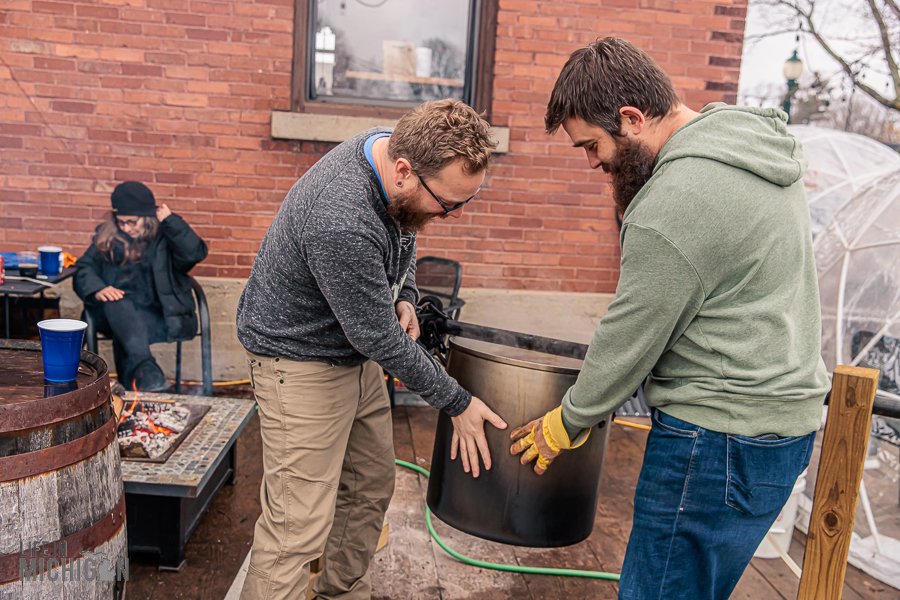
(61,348)
(50,265)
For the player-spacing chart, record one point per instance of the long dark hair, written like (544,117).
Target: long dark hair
(109,236)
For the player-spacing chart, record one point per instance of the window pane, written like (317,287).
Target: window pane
(397,50)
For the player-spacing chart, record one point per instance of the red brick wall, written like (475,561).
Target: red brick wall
(178,94)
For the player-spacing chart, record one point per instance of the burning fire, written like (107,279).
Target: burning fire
(156,429)
(130,411)
(148,426)
(146,429)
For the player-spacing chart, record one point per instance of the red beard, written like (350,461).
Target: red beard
(401,208)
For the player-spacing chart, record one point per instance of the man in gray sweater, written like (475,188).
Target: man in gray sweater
(330,301)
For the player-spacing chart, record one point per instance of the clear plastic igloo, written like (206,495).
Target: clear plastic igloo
(840,163)
(858,262)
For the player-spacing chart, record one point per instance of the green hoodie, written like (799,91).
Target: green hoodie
(717,298)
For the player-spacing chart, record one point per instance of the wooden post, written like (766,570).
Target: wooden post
(837,484)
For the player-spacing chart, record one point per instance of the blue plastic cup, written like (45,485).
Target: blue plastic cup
(50,260)
(61,348)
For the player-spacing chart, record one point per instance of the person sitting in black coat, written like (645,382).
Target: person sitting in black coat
(134,283)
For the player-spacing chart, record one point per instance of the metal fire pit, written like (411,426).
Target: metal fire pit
(166,501)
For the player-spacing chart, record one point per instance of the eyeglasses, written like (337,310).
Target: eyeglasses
(451,208)
(127,223)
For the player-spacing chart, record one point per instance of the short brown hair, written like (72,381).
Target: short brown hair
(600,79)
(435,133)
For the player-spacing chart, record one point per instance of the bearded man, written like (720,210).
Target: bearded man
(330,301)
(717,308)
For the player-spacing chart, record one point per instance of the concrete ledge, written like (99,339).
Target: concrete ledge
(336,128)
(568,316)
(228,357)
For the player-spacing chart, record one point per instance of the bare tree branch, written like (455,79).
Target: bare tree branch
(760,36)
(847,67)
(894,8)
(886,42)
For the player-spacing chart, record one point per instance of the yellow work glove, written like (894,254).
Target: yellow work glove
(544,438)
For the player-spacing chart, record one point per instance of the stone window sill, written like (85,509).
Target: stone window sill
(337,128)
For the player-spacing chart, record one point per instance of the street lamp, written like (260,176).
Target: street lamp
(793,68)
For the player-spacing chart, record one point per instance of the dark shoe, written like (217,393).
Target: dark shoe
(148,377)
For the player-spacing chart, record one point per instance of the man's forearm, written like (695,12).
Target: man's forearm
(658,295)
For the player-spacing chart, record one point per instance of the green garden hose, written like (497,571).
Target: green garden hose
(495,566)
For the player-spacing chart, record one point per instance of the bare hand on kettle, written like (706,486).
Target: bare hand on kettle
(468,435)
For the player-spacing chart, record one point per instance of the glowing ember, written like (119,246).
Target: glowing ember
(148,429)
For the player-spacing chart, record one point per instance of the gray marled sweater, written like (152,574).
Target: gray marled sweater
(328,273)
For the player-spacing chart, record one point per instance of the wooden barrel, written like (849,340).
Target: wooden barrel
(62,508)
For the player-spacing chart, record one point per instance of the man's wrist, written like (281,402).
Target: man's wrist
(459,404)
(572,430)
(407,295)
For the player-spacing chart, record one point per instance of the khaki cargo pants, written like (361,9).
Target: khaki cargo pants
(328,462)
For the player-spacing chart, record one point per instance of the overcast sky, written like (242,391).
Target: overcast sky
(763,59)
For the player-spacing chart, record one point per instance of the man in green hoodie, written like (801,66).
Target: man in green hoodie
(717,308)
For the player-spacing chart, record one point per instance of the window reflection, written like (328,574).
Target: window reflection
(395,50)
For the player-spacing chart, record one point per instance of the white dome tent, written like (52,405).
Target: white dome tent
(858,263)
(840,163)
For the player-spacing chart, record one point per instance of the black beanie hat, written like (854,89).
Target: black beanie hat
(133,198)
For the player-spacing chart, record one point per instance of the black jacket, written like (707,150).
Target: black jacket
(174,252)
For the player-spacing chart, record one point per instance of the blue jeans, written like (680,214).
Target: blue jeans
(704,502)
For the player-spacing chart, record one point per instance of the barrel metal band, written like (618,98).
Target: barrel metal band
(87,539)
(46,411)
(20,466)
(41,412)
